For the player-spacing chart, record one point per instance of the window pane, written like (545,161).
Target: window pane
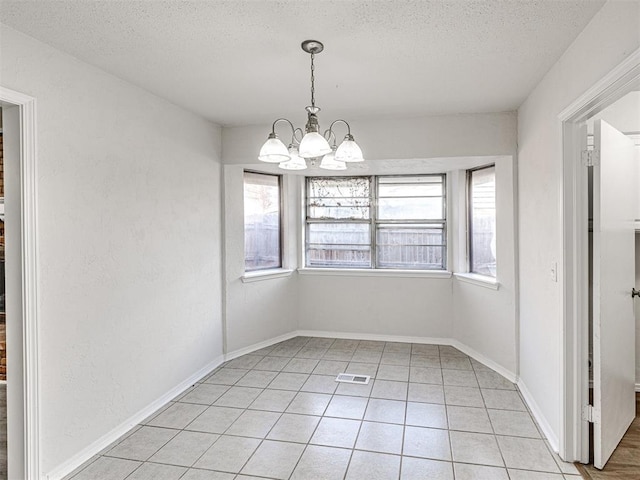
(333,187)
(482,217)
(339,256)
(411,247)
(338,198)
(419,197)
(411,257)
(339,233)
(339,245)
(339,208)
(261,221)
(417,208)
(410,186)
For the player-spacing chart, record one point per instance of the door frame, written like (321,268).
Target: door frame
(27,425)
(574,376)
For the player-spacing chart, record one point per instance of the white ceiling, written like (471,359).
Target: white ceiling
(240,63)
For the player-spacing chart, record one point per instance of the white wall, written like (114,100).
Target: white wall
(129,244)
(388,139)
(484,318)
(379,305)
(376,304)
(606,41)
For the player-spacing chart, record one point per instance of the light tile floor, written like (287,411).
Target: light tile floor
(429,412)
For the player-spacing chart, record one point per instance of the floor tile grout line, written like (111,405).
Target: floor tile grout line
(306,446)
(151,426)
(320,417)
(262,440)
(492,427)
(404,425)
(230,425)
(355,441)
(332,396)
(450,442)
(272,427)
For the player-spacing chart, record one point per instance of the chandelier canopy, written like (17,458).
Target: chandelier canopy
(310,144)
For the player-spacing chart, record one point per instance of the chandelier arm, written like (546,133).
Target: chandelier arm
(328,134)
(273,127)
(293,136)
(343,121)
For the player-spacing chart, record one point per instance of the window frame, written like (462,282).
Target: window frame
(443,221)
(374,222)
(307,220)
(469,204)
(280,265)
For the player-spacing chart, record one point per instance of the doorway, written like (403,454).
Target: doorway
(614,133)
(19,165)
(3,329)
(574,435)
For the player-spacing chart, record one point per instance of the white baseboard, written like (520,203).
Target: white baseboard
(96,447)
(508,374)
(512,377)
(537,413)
(374,336)
(259,345)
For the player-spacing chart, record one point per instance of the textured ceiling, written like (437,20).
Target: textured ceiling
(239,62)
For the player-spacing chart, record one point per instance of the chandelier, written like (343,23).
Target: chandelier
(310,144)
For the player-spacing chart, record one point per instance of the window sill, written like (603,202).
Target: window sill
(366,272)
(480,280)
(260,275)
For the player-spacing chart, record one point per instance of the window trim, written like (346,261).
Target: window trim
(374,222)
(371,272)
(471,276)
(264,274)
(249,275)
(478,279)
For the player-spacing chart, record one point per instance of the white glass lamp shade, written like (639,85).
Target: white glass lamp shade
(295,163)
(349,151)
(330,163)
(314,145)
(273,150)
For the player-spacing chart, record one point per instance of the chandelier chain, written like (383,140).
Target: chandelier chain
(313,78)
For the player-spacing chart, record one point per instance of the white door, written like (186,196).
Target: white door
(615,185)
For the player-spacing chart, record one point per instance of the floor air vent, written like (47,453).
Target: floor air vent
(349,378)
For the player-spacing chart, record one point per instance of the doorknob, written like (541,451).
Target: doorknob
(635,293)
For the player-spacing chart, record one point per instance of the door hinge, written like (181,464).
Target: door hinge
(590,414)
(590,158)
